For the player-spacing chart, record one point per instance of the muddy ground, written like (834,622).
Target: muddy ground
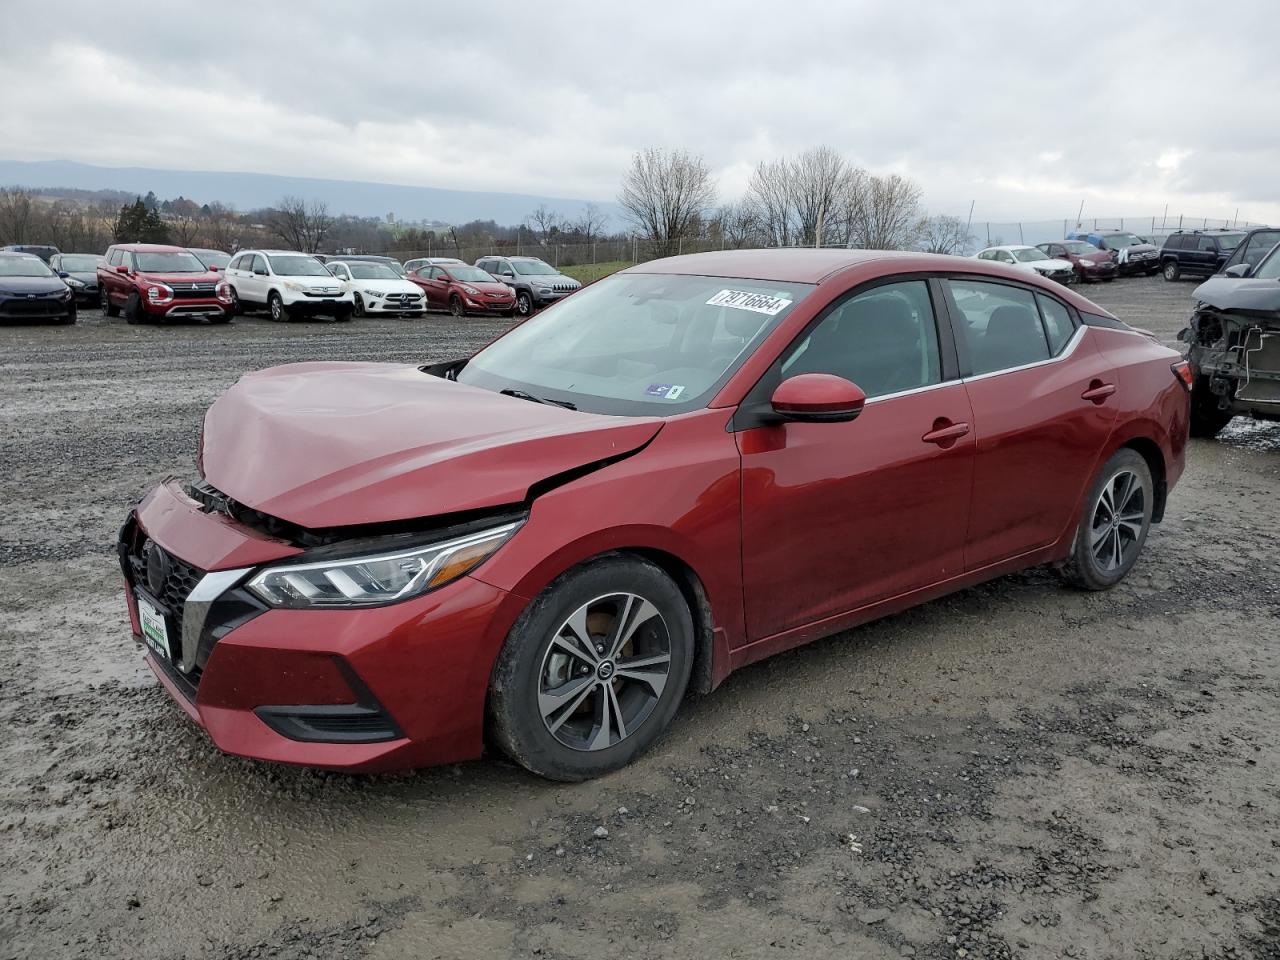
(1015,771)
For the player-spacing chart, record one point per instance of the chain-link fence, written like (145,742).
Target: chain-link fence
(636,250)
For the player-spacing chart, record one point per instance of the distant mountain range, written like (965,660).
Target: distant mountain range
(248,191)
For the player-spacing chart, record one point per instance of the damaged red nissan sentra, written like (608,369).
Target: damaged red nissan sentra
(681,469)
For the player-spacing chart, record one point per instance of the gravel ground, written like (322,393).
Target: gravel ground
(1014,771)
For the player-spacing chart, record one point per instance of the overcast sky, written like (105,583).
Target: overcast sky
(1026,108)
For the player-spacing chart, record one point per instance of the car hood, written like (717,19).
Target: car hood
(385,286)
(1137,248)
(1233,293)
(1053,263)
(337,444)
(85,276)
(487,286)
(33,285)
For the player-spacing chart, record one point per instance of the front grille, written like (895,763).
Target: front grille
(43,307)
(562,287)
(165,578)
(194,291)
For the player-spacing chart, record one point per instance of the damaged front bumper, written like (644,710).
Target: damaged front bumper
(1233,342)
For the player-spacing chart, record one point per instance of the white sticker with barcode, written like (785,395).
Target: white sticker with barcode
(755,302)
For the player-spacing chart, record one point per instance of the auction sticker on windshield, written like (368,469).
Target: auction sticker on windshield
(154,630)
(755,302)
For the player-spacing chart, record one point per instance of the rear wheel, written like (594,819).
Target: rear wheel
(1113,529)
(456,306)
(1207,417)
(593,671)
(1171,270)
(109,309)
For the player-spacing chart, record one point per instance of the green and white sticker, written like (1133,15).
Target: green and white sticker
(745,300)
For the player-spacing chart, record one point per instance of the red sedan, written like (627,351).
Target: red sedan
(462,289)
(684,468)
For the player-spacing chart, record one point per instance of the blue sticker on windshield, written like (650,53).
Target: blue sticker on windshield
(657,389)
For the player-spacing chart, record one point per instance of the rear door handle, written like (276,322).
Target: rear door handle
(1098,391)
(945,433)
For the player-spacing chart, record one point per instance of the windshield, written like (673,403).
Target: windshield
(1269,269)
(24,267)
(1122,240)
(1027,254)
(634,344)
(1080,248)
(533,268)
(79,264)
(371,271)
(469,275)
(298,266)
(177,262)
(214,258)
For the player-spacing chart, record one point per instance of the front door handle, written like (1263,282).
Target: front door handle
(945,433)
(1098,391)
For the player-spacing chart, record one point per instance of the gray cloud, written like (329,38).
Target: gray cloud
(1027,109)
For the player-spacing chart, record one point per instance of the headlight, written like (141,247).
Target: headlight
(290,285)
(159,293)
(371,293)
(73,283)
(378,578)
(471,290)
(223,291)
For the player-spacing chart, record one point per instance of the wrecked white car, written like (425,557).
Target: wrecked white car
(1233,343)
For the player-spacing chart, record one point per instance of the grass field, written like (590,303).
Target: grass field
(587,272)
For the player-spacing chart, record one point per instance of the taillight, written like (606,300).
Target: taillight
(1182,370)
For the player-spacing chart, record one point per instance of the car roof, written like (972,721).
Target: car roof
(150,247)
(799,264)
(19,255)
(1013,246)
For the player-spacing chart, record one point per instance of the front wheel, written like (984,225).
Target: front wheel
(279,312)
(456,307)
(1171,271)
(593,671)
(524,303)
(70,317)
(1207,417)
(133,308)
(357,308)
(1113,529)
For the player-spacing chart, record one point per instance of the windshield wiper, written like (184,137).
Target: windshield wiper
(522,395)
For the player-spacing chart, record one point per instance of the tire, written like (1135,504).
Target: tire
(456,307)
(357,307)
(343,316)
(524,303)
(1114,525)
(109,309)
(1207,418)
(133,309)
(578,736)
(70,316)
(275,306)
(236,309)
(1171,270)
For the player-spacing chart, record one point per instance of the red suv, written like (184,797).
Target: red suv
(462,289)
(681,469)
(155,283)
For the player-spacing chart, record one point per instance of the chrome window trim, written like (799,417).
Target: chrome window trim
(1067,351)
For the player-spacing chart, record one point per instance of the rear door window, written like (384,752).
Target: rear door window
(1000,325)
(1058,322)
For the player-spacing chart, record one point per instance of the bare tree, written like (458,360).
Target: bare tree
(769,195)
(887,214)
(739,226)
(16,213)
(184,229)
(590,222)
(806,200)
(220,227)
(664,196)
(544,221)
(943,234)
(301,225)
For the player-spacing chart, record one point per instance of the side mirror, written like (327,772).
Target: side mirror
(121,268)
(259,272)
(508,274)
(1239,270)
(63,274)
(818,398)
(214,268)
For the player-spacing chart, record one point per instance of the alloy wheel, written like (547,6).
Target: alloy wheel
(604,671)
(1117,521)
(524,304)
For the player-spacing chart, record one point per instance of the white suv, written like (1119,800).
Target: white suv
(288,283)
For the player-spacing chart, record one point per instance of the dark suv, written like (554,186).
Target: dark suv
(155,283)
(536,283)
(1197,253)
